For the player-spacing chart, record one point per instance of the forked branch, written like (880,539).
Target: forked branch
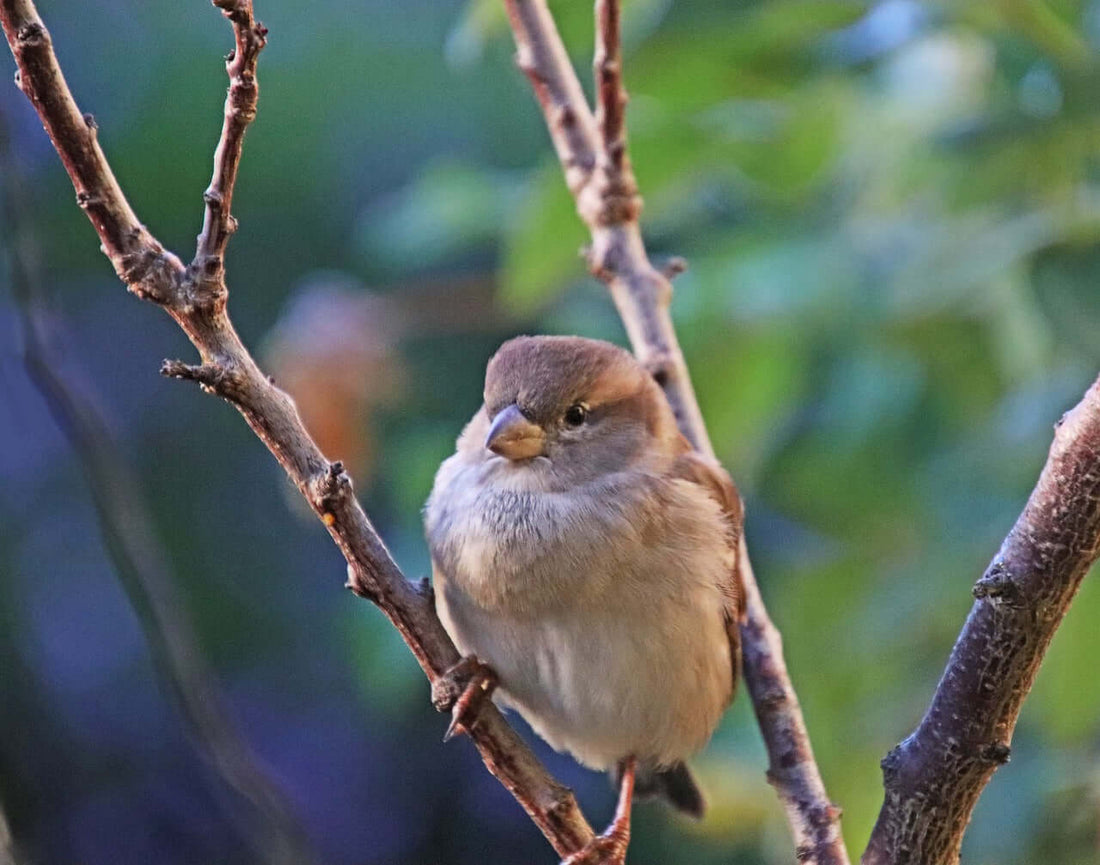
(593,153)
(195,297)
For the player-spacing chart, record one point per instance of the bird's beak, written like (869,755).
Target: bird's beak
(511,435)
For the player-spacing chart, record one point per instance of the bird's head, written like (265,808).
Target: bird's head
(586,406)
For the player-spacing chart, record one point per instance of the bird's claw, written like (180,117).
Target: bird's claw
(606,849)
(610,847)
(461,690)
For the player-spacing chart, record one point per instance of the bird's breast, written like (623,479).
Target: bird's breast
(526,550)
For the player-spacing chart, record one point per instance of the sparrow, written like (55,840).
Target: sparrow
(584,563)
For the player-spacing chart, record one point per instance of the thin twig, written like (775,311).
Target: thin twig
(608,203)
(139,560)
(1020,601)
(615,187)
(218,223)
(197,303)
(607,66)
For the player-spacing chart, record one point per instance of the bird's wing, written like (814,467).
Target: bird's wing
(696,468)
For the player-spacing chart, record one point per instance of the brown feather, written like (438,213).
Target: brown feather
(693,466)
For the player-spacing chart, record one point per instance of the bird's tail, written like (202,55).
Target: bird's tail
(675,785)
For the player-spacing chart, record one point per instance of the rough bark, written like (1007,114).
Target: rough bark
(933,779)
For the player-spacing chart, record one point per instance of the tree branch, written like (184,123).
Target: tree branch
(608,203)
(195,297)
(218,223)
(615,187)
(1020,601)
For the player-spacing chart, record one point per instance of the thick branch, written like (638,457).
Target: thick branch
(229,370)
(1020,601)
(608,203)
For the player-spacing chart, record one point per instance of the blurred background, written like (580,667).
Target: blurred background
(892,216)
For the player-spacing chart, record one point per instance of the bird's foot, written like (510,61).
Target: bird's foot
(462,690)
(606,849)
(610,847)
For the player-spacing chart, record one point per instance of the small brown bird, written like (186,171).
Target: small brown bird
(585,553)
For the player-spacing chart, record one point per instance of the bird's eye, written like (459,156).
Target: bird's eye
(576,414)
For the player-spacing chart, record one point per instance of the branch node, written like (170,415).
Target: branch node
(996,753)
(891,765)
(662,366)
(32,35)
(149,272)
(362,585)
(331,488)
(673,267)
(998,587)
(563,800)
(524,61)
(210,377)
(824,815)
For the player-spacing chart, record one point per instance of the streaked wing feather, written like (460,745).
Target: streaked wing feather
(693,466)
